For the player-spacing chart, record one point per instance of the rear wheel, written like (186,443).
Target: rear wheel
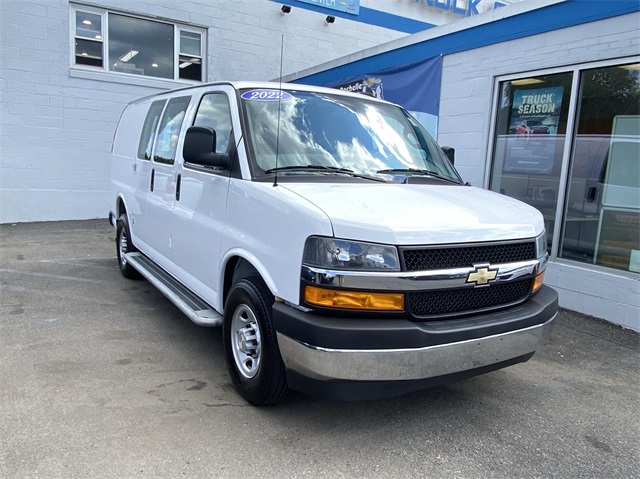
(124,246)
(250,342)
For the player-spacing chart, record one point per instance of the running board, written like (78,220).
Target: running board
(193,306)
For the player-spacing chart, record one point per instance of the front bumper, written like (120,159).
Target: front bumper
(321,352)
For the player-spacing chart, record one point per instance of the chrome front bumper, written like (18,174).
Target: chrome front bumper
(410,364)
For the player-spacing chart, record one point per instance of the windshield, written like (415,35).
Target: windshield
(331,134)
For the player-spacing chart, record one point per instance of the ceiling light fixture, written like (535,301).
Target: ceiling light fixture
(154,65)
(526,81)
(632,67)
(86,22)
(128,56)
(185,64)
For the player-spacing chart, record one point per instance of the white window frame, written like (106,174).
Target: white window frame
(72,27)
(178,52)
(104,16)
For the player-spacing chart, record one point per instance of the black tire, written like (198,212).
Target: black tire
(250,343)
(125,245)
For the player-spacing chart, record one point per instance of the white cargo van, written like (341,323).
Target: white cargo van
(329,236)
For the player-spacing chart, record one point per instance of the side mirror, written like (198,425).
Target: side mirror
(199,148)
(450,153)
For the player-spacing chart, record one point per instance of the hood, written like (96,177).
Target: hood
(412,214)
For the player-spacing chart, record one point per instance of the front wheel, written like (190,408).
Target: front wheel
(250,343)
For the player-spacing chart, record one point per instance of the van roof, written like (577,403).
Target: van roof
(240,85)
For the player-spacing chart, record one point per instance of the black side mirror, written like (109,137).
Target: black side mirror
(199,148)
(450,153)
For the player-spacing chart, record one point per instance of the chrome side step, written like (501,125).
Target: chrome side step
(193,306)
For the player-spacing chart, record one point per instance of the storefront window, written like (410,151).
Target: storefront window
(111,42)
(602,208)
(529,142)
(141,47)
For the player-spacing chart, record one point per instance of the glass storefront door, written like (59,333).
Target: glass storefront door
(602,209)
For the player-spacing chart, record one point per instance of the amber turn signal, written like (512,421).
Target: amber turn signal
(361,300)
(537,282)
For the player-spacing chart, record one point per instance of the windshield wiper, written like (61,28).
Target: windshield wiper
(416,171)
(332,169)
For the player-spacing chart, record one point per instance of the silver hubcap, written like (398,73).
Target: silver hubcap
(245,341)
(123,247)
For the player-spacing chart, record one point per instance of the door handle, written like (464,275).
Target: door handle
(153,175)
(178,183)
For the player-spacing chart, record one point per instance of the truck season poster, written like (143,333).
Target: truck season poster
(533,129)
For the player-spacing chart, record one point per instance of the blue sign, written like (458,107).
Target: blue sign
(532,139)
(346,6)
(416,87)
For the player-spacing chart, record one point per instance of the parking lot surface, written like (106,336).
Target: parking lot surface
(103,377)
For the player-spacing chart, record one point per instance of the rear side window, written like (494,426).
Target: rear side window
(149,129)
(167,141)
(214,113)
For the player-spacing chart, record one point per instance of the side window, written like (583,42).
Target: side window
(167,141)
(214,113)
(149,129)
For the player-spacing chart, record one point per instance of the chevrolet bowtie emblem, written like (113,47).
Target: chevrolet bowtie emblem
(482,276)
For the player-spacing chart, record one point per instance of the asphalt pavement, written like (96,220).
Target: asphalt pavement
(101,376)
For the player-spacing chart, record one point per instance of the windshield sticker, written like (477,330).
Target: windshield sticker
(266,95)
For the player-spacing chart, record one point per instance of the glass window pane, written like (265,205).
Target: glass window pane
(214,113)
(529,141)
(190,68)
(165,150)
(88,25)
(602,211)
(149,129)
(141,47)
(190,43)
(88,53)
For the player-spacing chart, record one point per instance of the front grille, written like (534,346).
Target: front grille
(431,304)
(466,256)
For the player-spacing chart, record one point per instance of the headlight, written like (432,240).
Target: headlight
(332,253)
(541,244)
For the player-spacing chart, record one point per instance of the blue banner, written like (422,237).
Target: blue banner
(416,87)
(347,6)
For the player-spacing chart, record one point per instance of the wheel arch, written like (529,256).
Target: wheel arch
(238,264)
(120,206)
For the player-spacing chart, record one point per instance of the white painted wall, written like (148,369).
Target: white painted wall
(57,122)
(465,123)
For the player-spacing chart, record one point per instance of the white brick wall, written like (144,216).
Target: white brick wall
(465,117)
(57,124)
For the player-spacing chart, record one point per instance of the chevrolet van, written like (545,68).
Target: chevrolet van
(329,236)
